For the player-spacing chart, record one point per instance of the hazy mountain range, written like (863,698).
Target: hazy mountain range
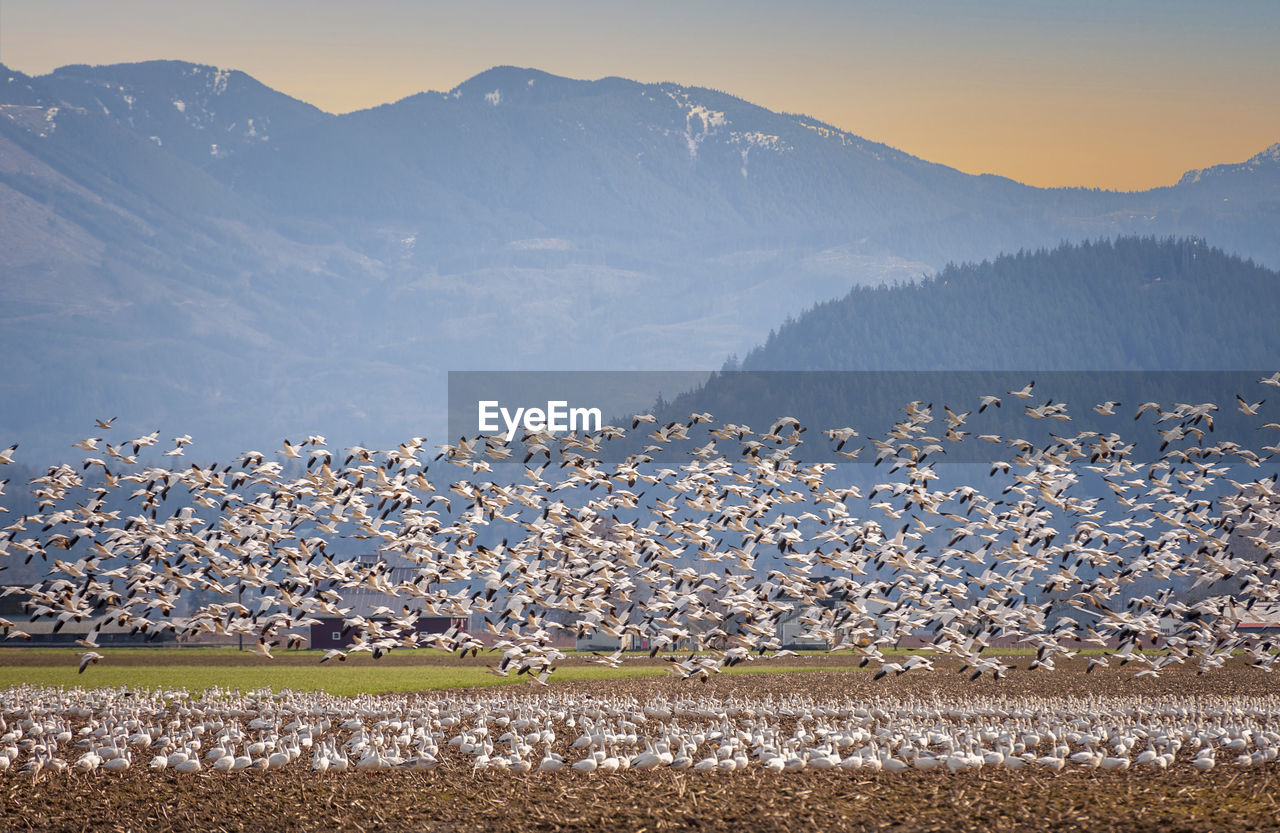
(191,250)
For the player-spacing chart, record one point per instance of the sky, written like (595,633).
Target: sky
(1120,94)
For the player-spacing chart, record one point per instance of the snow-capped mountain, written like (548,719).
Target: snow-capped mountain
(517,153)
(193,111)
(1263,163)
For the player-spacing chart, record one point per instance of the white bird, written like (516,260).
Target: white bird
(87,658)
(1249,409)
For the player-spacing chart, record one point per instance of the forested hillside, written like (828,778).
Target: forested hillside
(1068,318)
(1129,304)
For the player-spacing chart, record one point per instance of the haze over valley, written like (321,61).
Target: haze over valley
(188,249)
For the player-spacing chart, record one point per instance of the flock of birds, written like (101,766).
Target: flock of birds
(1081,542)
(46,730)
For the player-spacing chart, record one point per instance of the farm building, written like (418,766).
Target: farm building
(793,627)
(602,641)
(1261,619)
(328,631)
(1259,545)
(369,602)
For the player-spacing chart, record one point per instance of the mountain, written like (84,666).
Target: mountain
(1128,304)
(137,283)
(1235,205)
(514,154)
(1255,173)
(186,248)
(194,111)
(1078,318)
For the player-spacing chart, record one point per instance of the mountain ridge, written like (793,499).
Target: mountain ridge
(1267,159)
(348,260)
(94,74)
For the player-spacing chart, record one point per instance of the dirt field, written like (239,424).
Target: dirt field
(453,798)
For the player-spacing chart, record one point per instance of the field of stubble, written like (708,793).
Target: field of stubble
(453,797)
